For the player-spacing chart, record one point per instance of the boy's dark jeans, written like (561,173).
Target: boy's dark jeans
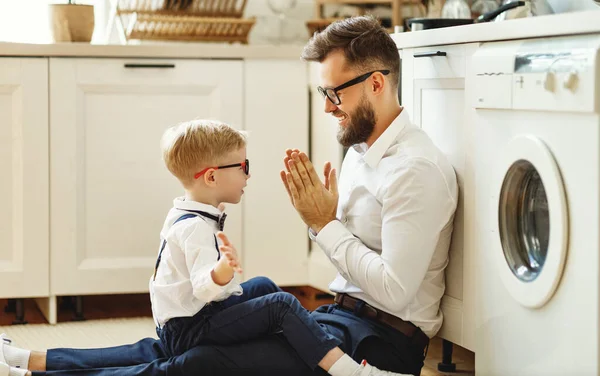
(250,316)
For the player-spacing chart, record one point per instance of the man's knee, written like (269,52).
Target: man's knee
(198,360)
(286,298)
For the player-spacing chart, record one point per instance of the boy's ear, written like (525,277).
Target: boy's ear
(209,177)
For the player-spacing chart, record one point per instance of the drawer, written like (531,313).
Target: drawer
(156,72)
(439,62)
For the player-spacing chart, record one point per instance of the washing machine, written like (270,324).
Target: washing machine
(535,110)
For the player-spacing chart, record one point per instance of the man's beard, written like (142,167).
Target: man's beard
(360,124)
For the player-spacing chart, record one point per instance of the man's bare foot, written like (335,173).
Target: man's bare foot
(37,361)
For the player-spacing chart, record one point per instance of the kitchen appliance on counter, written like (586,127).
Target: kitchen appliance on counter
(416,24)
(480,7)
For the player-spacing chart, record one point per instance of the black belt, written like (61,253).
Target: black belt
(362,309)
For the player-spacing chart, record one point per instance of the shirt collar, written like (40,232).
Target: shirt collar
(373,155)
(182,204)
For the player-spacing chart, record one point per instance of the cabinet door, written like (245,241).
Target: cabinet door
(276,116)
(433,91)
(439,110)
(24,182)
(110,190)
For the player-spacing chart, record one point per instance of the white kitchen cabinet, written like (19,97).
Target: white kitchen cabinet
(433,82)
(276,115)
(109,188)
(24,177)
(82,136)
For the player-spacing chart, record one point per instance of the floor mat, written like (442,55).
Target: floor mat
(82,334)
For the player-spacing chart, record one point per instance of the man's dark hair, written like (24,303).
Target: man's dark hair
(366,45)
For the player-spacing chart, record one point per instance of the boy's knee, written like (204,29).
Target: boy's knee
(266,284)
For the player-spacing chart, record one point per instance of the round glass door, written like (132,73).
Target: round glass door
(532,221)
(524,221)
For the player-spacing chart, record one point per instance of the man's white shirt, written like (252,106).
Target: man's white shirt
(395,215)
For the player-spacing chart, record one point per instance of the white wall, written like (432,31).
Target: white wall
(294,29)
(265,30)
(27,21)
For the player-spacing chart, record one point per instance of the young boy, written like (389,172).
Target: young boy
(195,296)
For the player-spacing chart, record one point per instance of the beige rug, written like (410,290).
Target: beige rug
(83,334)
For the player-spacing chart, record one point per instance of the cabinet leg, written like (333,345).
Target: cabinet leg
(47,306)
(11,306)
(19,312)
(65,303)
(78,309)
(446,364)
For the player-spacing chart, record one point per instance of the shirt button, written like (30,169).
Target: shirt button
(345,220)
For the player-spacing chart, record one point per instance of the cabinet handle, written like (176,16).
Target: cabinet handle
(430,54)
(149,65)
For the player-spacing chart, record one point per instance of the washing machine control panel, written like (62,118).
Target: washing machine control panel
(554,74)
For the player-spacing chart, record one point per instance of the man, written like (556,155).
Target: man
(389,231)
(386,229)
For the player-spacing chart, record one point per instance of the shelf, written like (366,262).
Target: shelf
(396,6)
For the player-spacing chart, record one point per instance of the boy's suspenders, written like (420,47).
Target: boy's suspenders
(187,216)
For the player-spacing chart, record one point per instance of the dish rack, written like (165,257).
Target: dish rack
(180,20)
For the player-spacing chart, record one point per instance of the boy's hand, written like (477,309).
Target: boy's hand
(230,253)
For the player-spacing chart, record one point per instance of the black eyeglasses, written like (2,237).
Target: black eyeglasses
(245,165)
(331,93)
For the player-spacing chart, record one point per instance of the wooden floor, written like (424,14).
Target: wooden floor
(110,306)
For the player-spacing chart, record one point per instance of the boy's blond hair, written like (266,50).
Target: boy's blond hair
(190,146)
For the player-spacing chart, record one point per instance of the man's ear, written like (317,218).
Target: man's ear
(377,83)
(210,178)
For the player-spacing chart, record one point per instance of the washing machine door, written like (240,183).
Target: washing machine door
(531,221)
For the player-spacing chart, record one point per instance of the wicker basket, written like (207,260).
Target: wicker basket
(190,28)
(198,8)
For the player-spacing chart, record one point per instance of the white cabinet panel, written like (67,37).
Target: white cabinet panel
(110,190)
(24,177)
(276,115)
(433,93)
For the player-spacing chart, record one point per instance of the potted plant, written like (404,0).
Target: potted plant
(71,22)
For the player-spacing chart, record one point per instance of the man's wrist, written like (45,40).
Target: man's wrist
(317,227)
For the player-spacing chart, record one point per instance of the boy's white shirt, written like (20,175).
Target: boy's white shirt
(183,284)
